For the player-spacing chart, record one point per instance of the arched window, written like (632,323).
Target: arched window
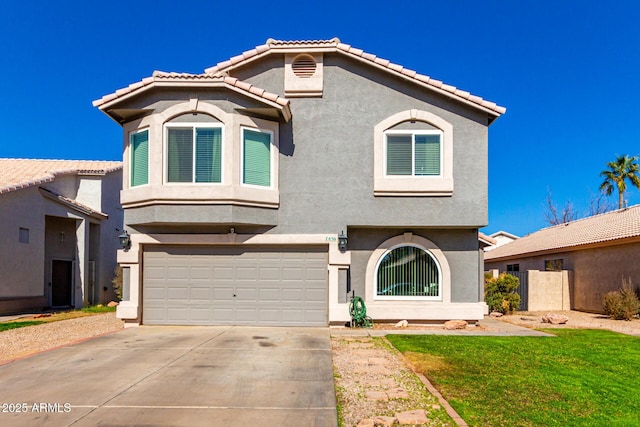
(408,271)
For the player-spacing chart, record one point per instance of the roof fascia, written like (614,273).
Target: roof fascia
(603,244)
(239,61)
(286,112)
(76,206)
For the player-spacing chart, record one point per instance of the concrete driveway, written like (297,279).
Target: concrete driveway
(178,376)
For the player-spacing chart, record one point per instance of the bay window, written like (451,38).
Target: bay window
(139,165)
(194,153)
(256,157)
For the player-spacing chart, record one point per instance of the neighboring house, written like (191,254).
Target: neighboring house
(239,182)
(599,251)
(500,238)
(58,238)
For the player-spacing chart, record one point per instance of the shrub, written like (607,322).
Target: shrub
(500,293)
(622,304)
(117,282)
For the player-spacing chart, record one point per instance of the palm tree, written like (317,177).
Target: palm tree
(622,169)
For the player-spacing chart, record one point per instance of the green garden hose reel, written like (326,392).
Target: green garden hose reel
(358,312)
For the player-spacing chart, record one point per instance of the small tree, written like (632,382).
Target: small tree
(553,217)
(500,293)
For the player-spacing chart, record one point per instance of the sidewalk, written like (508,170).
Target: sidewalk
(493,327)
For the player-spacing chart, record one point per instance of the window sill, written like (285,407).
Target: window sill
(199,194)
(413,187)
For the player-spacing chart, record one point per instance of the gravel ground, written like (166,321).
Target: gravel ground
(372,381)
(20,342)
(577,319)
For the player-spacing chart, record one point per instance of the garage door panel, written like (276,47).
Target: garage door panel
(155,293)
(200,294)
(179,314)
(270,294)
(199,314)
(178,294)
(200,273)
(316,295)
(223,273)
(272,286)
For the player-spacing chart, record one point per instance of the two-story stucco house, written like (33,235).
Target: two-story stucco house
(239,182)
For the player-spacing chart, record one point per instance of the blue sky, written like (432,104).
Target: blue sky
(566,71)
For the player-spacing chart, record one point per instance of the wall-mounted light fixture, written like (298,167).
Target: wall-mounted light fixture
(342,241)
(125,240)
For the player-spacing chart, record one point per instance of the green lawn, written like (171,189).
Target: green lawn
(579,378)
(18,324)
(55,317)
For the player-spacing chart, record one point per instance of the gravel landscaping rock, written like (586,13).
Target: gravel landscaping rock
(16,343)
(576,319)
(374,386)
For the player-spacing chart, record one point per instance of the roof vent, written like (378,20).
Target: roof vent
(304,66)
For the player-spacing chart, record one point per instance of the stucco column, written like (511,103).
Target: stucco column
(129,310)
(82,263)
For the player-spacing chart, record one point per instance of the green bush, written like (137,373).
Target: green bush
(622,304)
(500,293)
(117,282)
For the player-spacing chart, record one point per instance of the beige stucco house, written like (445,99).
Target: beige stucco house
(58,238)
(598,251)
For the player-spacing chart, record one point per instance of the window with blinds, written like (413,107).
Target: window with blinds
(413,153)
(408,271)
(139,166)
(256,158)
(194,154)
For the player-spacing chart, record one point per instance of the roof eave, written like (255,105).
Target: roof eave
(164,83)
(593,245)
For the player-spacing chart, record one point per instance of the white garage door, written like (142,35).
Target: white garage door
(205,285)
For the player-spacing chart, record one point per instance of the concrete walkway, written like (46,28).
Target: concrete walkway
(493,327)
(178,376)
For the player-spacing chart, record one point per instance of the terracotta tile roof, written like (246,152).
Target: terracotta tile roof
(486,240)
(599,229)
(73,204)
(21,173)
(336,46)
(161,77)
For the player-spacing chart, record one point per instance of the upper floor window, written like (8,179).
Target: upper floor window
(413,153)
(139,166)
(194,153)
(408,271)
(256,157)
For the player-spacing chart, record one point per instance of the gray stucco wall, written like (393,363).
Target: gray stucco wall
(326,160)
(460,247)
(326,170)
(595,271)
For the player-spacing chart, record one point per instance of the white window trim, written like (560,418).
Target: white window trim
(165,157)
(413,186)
(407,297)
(272,150)
(404,240)
(413,134)
(130,156)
